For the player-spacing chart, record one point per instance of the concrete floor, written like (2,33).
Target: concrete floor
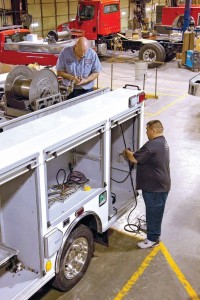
(172,271)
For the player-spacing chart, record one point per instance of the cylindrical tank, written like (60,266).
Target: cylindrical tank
(198,44)
(140,69)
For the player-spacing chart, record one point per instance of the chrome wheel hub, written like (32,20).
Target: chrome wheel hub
(149,55)
(76,257)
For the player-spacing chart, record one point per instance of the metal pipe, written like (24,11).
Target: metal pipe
(187,14)
(156,79)
(111,77)
(21,88)
(144,80)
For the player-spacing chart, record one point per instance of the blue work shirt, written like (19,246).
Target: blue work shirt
(87,65)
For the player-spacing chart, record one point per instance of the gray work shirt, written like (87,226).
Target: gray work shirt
(87,65)
(153,173)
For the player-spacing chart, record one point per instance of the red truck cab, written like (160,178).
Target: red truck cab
(96,18)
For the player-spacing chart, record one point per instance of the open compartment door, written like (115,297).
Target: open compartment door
(74,173)
(20,237)
(125,133)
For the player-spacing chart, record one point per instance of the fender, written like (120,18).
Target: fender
(69,230)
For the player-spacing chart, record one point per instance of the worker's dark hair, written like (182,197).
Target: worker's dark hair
(156,125)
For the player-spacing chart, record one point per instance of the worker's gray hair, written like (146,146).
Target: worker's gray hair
(156,125)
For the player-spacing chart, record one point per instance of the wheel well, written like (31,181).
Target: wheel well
(91,222)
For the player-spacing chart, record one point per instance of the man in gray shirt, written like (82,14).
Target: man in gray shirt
(153,178)
(79,64)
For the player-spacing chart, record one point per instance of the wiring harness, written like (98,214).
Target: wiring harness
(69,185)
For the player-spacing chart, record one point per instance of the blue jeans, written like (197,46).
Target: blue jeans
(79,92)
(155,205)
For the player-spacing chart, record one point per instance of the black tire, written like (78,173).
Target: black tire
(163,51)
(152,53)
(170,56)
(75,258)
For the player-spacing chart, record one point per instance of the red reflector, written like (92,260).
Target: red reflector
(79,212)
(141,97)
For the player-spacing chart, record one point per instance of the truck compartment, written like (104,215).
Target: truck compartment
(19,234)
(122,173)
(74,177)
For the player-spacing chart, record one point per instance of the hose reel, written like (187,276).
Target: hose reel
(29,89)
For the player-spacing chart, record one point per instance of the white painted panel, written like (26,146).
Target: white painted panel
(62,19)
(49,23)
(33,2)
(61,9)
(34,10)
(47,1)
(73,7)
(124,24)
(124,3)
(6,4)
(124,13)
(36,25)
(124,18)
(48,10)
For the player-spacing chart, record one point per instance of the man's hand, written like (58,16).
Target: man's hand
(75,79)
(128,154)
(80,81)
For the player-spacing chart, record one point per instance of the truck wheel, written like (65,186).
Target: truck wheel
(75,258)
(170,56)
(152,53)
(163,51)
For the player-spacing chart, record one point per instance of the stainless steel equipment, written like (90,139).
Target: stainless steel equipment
(54,36)
(194,85)
(27,89)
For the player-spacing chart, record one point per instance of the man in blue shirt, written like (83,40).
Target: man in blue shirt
(80,65)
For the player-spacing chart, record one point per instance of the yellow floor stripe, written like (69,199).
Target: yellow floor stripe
(137,274)
(129,284)
(165,94)
(165,107)
(191,292)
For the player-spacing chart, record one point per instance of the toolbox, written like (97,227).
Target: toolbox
(193,60)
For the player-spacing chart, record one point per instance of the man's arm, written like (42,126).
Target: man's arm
(128,154)
(95,70)
(65,75)
(90,78)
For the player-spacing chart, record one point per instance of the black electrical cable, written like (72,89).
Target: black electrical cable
(130,167)
(73,177)
(113,195)
(137,226)
(133,134)
(76,177)
(133,227)
(121,181)
(64,177)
